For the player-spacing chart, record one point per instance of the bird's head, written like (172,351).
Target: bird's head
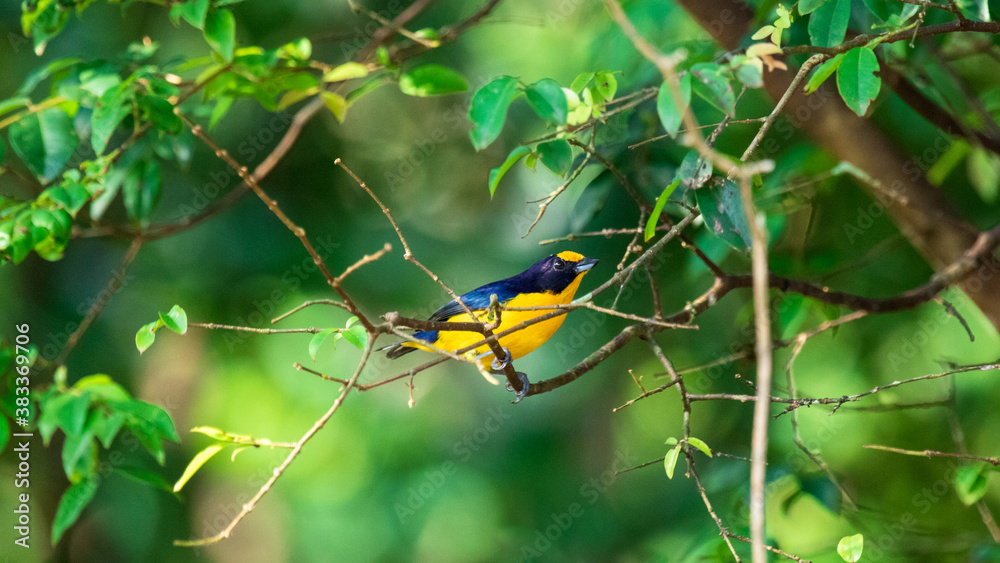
(558,271)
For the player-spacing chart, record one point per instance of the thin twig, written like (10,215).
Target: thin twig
(113,285)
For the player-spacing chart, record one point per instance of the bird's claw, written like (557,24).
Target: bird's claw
(497,364)
(525,384)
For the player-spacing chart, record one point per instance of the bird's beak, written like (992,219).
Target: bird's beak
(586,264)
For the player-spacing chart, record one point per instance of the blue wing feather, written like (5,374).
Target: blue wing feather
(478,298)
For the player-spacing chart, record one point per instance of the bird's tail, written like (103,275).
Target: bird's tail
(394,351)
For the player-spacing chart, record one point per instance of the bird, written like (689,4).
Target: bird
(553,280)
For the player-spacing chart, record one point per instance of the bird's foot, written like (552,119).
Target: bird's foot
(525,384)
(497,364)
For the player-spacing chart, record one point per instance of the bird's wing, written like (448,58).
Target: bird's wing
(477,299)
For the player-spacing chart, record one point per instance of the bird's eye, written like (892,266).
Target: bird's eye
(559,264)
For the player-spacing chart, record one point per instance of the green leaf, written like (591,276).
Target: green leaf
(822,72)
(199,459)
(670,461)
(300,49)
(970,483)
(141,191)
(607,84)
(66,410)
(145,476)
(581,81)
(76,197)
(751,73)
(856,79)
(222,105)
(77,445)
(670,113)
(556,155)
(336,104)
(807,6)
(12,104)
(160,114)
(432,80)
(153,421)
(102,387)
(44,141)
(701,445)
(146,335)
(72,503)
(193,12)
(694,171)
(828,23)
(488,110)
(295,96)
(711,84)
(654,217)
(44,23)
(346,71)
(176,319)
(850,547)
(497,173)
(984,173)
(212,432)
(548,100)
(948,161)
(356,335)
(722,207)
(220,32)
(106,427)
(763,32)
(318,339)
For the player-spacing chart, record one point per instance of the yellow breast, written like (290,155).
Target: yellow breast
(524,341)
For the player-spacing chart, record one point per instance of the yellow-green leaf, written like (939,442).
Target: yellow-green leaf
(346,71)
(196,463)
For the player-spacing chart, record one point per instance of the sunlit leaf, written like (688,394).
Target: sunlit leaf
(670,461)
(488,110)
(346,71)
(220,32)
(856,79)
(318,339)
(432,80)
(654,217)
(546,97)
(199,459)
(970,483)
(175,319)
(701,445)
(498,173)
(850,547)
(336,104)
(822,72)
(146,335)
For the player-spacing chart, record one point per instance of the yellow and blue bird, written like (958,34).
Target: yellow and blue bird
(550,281)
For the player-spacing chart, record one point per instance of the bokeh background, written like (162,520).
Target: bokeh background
(463,475)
